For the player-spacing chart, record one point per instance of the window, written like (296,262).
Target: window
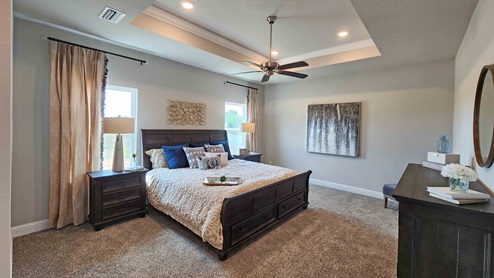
(119,101)
(235,115)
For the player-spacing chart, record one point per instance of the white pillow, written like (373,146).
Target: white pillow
(157,158)
(224,157)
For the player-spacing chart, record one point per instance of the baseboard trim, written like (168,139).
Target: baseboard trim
(29,228)
(348,188)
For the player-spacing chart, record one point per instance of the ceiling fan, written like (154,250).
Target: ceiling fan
(271,67)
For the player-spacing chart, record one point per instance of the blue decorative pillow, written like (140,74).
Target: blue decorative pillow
(209,162)
(225,146)
(175,156)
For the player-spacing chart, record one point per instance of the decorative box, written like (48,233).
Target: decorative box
(443,158)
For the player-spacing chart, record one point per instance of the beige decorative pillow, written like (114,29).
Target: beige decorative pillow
(223,157)
(157,158)
(214,148)
(192,154)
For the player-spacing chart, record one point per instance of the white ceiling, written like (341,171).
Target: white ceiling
(226,32)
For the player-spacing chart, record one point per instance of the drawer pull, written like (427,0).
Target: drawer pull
(300,199)
(121,196)
(244,229)
(122,209)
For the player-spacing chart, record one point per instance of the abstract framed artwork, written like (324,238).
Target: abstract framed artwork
(186,113)
(334,128)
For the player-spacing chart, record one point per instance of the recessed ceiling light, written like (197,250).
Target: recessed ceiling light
(274,52)
(343,34)
(187,5)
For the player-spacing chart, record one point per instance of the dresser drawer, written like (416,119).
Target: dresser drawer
(121,196)
(291,204)
(122,209)
(120,183)
(251,225)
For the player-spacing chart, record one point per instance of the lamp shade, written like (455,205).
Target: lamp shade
(118,125)
(248,127)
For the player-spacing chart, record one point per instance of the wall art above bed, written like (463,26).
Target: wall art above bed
(334,128)
(186,113)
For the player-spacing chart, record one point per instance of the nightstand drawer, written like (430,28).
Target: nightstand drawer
(121,196)
(120,183)
(122,209)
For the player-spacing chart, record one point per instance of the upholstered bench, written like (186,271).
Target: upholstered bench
(388,190)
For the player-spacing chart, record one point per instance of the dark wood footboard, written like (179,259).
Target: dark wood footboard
(246,215)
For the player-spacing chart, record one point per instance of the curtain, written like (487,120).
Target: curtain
(252,117)
(75,127)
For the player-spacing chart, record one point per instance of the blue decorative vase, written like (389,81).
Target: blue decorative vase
(443,145)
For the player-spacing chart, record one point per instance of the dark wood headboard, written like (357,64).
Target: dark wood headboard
(155,138)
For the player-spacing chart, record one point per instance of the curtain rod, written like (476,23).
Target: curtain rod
(106,52)
(236,84)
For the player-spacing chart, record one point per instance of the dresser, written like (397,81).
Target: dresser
(437,238)
(115,196)
(254,157)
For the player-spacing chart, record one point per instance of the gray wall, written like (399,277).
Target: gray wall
(157,82)
(404,110)
(477,50)
(5,136)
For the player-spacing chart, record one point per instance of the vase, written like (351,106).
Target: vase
(459,185)
(443,145)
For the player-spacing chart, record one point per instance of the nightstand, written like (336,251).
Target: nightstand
(254,157)
(116,195)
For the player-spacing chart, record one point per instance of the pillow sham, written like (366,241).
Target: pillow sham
(192,154)
(175,156)
(223,157)
(214,148)
(225,146)
(157,158)
(209,162)
(197,145)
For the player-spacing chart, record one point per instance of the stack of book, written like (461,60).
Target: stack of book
(458,197)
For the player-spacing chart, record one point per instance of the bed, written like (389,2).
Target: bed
(235,214)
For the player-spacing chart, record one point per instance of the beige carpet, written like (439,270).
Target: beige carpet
(339,235)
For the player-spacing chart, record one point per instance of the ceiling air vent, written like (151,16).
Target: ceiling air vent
(112,15)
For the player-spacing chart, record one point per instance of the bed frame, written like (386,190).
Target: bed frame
(246,215)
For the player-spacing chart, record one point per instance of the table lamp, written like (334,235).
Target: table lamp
(118,125)
(248,128)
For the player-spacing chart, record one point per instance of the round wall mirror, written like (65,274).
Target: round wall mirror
(483,118)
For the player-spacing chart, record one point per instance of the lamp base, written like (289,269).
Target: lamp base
(118,158)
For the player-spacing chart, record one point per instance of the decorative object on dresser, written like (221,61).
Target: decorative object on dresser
(254,157)
(437,238)
(334,128)
(118,125)
(443,145)
(186,113)
(483,118)
(459,176)
(237,216)
(456,197)
(437,160)
(242,152)
(115,195)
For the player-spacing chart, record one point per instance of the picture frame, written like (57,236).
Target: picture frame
(243,152)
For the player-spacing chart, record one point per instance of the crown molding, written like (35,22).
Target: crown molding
(201,32)
(329,51)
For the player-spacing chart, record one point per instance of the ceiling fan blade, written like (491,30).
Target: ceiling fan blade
(293,74)
(293,65)
(246,72)
(251,63)
(265,78)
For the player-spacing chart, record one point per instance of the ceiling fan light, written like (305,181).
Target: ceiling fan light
(275,52)
(187,5)
(342,34)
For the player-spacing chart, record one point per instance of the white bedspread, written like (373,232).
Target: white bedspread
(181,194)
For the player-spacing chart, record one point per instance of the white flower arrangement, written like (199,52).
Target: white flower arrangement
(458,171)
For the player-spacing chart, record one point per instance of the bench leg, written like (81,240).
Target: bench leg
(385,202)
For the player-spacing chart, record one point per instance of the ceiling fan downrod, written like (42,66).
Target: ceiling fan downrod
(271,19)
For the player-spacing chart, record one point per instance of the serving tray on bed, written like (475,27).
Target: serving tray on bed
(216,181)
